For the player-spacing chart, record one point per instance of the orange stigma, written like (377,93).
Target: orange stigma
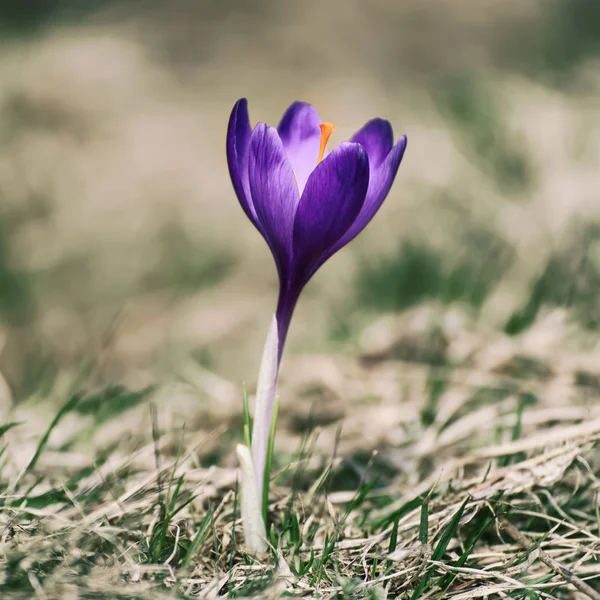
(326,131)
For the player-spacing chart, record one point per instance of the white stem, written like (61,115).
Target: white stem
(254,527)
(263,411)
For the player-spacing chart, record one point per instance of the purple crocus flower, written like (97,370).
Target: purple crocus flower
(307,204)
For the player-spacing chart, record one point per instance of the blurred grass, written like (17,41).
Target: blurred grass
(477,119)
(187,265)
(17,303)
(563,38)
(19,18)
(111,402)
(487,159)
(570,279)
(468,274)
(417,272)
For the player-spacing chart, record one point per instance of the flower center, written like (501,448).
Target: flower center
(326,131)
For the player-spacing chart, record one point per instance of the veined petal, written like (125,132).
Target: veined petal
(377,138)
(379,185)
(238,142)
(301,136)
(274,192)
(332,199)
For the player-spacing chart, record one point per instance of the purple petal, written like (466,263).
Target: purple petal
(301,136)
(379,185)
(377,138)
(334,195)
(274,192)
(238,141)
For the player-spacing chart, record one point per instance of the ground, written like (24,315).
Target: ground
(489,488)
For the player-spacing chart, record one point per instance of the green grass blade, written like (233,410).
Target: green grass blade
(247,418)
(4,428)
(269,460)
(448,533)
(424,522)
(199,539)
(326,556)
(174,497)
(183,505)
(236,499)
(406,508)
(446,581)
(394,537)
(361,496)
(393,543)
(66,408)
(440,549)
(273,536)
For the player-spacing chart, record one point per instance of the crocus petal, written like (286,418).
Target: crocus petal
(238,142)
(377,138)
(334,195)
(301,136)
(379,185)
(274,192)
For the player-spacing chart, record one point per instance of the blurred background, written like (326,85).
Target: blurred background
(122,244)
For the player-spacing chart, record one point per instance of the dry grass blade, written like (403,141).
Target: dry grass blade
(561,571)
